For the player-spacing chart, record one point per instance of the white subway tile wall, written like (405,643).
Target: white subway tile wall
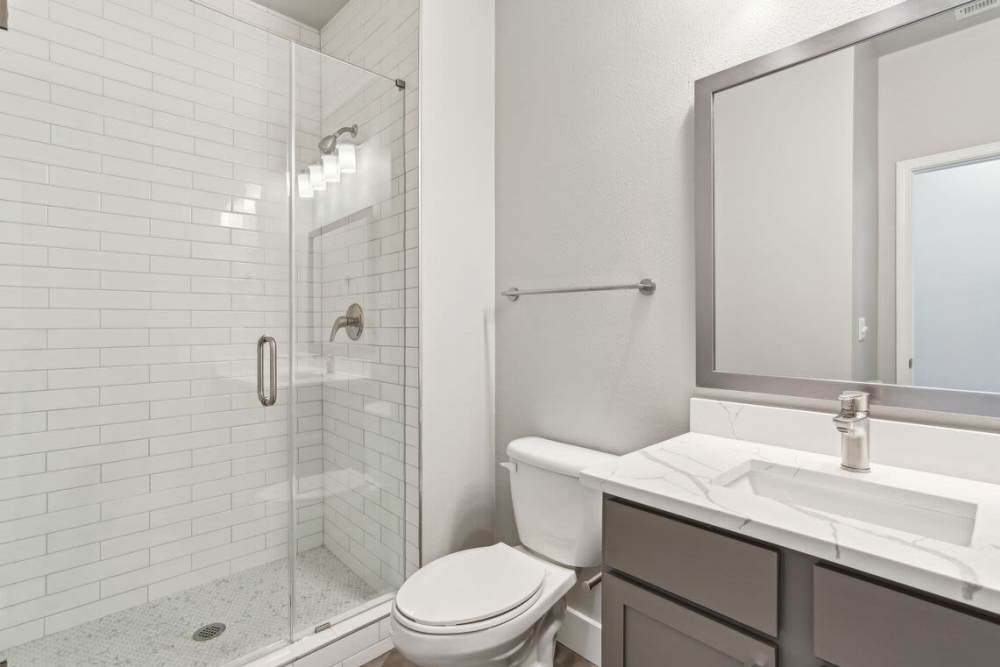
(356,466)
(382,262)
(143,249)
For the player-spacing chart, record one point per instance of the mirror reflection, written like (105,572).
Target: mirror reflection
(857,211)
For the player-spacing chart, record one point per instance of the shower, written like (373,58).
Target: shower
(186,479)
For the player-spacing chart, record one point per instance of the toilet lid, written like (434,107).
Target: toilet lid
(470,586)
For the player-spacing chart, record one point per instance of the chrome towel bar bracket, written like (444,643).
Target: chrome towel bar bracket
(645,286)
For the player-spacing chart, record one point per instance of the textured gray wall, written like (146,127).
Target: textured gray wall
(595,184)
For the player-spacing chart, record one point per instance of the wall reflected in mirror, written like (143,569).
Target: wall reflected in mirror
(857,211)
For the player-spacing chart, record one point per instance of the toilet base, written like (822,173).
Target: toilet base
(540,651)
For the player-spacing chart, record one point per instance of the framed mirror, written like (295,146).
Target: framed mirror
(848,202)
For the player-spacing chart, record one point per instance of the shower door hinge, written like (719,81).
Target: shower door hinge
(400,84)
(317,630)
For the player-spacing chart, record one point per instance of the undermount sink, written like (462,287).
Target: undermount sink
(935,517)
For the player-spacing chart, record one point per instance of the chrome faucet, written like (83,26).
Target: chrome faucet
(353,320)
(852,422)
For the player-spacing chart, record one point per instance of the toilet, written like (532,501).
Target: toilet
(501,606)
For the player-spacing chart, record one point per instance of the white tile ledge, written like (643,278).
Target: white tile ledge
(675,475)
(345,643)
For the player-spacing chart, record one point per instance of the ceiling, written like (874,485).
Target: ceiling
(311,12)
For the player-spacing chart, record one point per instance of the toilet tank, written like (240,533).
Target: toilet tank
(557,516)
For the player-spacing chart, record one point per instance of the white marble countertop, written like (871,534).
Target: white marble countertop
(685,476)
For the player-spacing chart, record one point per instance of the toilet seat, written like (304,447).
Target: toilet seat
(470,590)
(487,642)
(464,628)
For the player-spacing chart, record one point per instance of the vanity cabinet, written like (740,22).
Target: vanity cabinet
(679,593)
(735,578)
(643,629)
(859,623)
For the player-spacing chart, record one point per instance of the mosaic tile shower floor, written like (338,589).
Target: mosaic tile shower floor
(253,604)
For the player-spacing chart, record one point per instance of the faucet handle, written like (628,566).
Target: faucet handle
(853,402)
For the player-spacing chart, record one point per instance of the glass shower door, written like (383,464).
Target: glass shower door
(350,238)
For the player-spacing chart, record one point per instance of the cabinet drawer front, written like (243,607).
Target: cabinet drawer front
(729,576)
(861,624)
(642,629)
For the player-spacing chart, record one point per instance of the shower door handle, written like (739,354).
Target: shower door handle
(269,399)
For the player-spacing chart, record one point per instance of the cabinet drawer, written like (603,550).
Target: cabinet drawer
(642,629)
(861,624)
(727,575)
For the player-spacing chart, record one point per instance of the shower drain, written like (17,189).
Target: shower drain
(210,631)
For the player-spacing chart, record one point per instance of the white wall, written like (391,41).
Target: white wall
(864,189)
(784,164)
(918,116)
(796,220)
(594,183)
(457,260)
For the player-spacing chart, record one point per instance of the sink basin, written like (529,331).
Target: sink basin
(935,517)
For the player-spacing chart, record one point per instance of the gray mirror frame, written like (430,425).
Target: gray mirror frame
(920,398)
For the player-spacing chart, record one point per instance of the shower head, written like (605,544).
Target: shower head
(328,144)
(334,160)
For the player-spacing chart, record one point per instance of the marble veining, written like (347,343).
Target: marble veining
(957,452)
(685,476)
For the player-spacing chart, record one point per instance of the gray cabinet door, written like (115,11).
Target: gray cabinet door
(861,624)
(732,577)
(643,629)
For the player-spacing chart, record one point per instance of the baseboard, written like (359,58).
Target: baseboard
(582,635)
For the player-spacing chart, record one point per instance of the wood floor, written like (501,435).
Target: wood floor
(564,658)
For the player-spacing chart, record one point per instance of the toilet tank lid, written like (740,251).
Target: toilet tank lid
(557,457)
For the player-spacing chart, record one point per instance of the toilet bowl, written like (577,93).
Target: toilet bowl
(483,616)
(501,606)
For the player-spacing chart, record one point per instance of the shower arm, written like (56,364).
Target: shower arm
(328,144)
